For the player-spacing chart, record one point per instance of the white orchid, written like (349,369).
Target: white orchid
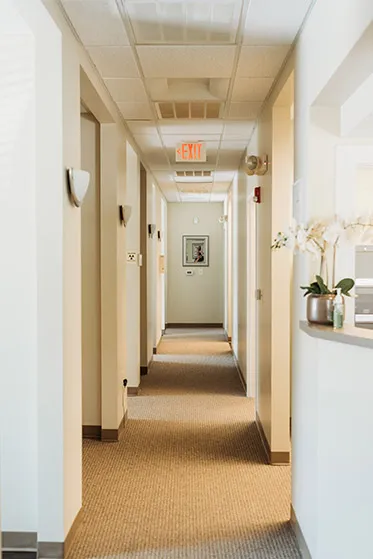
(334,232)
(319,238)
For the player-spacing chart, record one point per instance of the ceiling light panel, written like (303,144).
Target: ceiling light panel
(186,22)
(97,23)
(273,22)
(114,62)
(261,62)
(187,61)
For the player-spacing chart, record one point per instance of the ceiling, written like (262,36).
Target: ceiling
(189,71)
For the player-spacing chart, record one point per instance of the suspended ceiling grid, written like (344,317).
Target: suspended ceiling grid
(186,71)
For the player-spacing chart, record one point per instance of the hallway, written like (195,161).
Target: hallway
(189,479)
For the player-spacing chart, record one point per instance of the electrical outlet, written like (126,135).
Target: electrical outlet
(131,257)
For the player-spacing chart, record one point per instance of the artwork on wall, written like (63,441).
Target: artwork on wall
(195,250)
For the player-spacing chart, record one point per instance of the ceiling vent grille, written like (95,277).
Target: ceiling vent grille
(189,110)
(193,173)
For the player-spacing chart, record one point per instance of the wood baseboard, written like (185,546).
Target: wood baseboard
(92,432)
(113,435)
(19,545)
(194,325)
(133,391)
(275,458)
(239,372)
(302,544)
(24,545)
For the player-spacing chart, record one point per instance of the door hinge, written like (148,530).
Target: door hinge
(258,294)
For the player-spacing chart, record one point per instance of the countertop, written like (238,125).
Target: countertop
(347,335)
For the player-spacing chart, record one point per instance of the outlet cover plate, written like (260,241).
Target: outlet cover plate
(131,257)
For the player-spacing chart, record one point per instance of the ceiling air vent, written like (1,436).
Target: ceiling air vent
(193,173)
(189,110)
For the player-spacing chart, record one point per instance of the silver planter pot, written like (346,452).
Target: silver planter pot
(320,309)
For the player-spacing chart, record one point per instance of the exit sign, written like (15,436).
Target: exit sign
(195,151)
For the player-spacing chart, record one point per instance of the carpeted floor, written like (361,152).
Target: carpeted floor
(188,479)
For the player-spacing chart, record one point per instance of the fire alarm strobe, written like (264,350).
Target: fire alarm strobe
(257,195)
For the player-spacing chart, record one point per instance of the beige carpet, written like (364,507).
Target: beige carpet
(188,479)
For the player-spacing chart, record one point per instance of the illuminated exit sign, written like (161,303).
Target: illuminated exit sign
(195,151)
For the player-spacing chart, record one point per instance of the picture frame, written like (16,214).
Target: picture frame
(196,251)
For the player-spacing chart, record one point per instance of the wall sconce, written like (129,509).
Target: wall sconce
(151,229)
(124,215)
(256,165)
(223,219)
(159,235)
(77,182)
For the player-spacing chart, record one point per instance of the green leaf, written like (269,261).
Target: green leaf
(345,285)
(313,288)
(323,288)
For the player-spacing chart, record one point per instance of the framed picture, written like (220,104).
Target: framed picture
(195,250)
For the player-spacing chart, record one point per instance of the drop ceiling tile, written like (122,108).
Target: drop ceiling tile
(157,160)
(126,90)
(251,89)
(221,187)
(211,159)
(114,62)
(236,130)
(218,196)
(148,143)
(247,111)
(171,141)
(183,127)
(233,145)
(135,111)
(273,22)
(97,22)
(142,127)
(223,176)
(175,21)
(261,62)
(188,89)
(187,61)
(171,194)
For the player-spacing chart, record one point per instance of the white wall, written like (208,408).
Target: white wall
(336,36)
(18,321)
(133,270)
(197,298)
(239,270)
(32,163)
(91,274)
(155,278)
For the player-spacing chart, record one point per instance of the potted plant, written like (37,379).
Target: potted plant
(321,241)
